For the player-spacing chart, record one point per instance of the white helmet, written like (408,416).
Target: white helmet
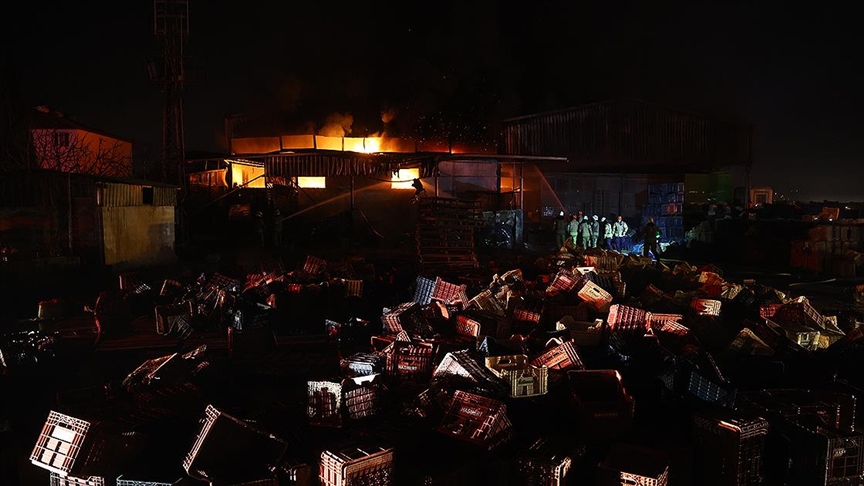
(595,217)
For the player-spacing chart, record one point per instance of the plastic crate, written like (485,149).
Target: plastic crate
(627,320)
(228,449)
(545,465)
(363,364)
(596,296)
(461,365)
(528,310)
(814,454)
(366,466)
(362,396)
(628,464)
(657,320)
(314,265)
(524,379)
(409,362)
(747,342)
(729,447)
(486,301)
(173,318)
(563,283)
(799,313)
(171,288)
(296,472)
(706,307)
(583,333)
(563,356)
(324,403)
(423,290)
(476,419)
(604,409)
(146,480)
(467,327)
(449,293)
(407,316)
(71,446)
(58,480)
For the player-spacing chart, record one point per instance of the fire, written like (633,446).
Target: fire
(366,145)
(372,145)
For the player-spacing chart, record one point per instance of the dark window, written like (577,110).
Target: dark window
(148,196)
(61,139)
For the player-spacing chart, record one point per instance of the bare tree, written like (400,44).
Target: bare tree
(89,153)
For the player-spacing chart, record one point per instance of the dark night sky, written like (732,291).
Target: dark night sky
(792,69)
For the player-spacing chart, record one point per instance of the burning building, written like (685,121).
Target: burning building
(337,182)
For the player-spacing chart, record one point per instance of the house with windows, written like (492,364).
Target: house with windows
(59,142)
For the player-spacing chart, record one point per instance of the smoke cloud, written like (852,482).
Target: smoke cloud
(388,115)
(337,125)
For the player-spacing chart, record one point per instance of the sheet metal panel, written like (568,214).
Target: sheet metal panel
(630,133)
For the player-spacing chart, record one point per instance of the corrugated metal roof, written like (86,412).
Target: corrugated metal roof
(631,134)
(111,194)
(322,163)
(164,196)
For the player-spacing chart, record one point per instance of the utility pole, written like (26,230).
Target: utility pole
(171,26)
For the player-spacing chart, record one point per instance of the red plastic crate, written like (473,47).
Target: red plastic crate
(625,319)
(476,419)
(706,307)
(563,356)
(409,362)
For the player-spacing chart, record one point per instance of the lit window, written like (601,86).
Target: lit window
(403,178)
(312,182)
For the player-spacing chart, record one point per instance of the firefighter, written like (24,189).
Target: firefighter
(560,230)
(595,230)
(606,229)
(573,229)
(619,231)
(585,232)
(417,184)
(650,233)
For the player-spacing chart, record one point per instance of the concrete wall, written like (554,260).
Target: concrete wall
(138,235)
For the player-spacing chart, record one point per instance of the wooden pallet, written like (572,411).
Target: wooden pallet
(445,235)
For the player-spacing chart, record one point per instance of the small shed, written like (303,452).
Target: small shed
(125,223)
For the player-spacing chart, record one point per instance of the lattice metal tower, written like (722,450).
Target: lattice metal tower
(171,26)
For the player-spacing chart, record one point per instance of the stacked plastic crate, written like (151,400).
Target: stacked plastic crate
(729,447)
(666,206)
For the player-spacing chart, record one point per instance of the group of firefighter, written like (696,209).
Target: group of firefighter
(596,232)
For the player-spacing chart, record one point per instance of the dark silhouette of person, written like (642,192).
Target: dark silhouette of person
(417,184)
(650,234)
